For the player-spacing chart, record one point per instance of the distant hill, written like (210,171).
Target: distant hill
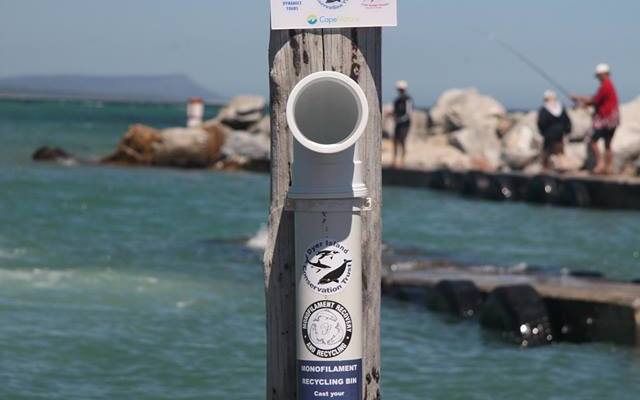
(156,88)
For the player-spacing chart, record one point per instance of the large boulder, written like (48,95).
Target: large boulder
(522,144)
(437,152)
(187,147)
(581,127)
(136,146)
(429,153)
(574,158)
(473,120)
(420,122)
(441,154)
(179,147)
(466,109)
(482,145)
(626,141)
(263,127)
(388,125)
(242,112)
(245,145)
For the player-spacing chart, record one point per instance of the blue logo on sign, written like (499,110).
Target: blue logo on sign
(312,19)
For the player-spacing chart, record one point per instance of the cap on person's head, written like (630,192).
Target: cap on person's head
(402,85)
(602,69)
(549,95)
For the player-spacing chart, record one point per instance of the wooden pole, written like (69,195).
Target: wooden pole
(294,54)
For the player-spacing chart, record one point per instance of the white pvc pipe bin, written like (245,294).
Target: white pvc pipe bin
(327,113)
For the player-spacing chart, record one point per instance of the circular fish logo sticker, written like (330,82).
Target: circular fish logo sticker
(327,267)
(326,328)
(332,4)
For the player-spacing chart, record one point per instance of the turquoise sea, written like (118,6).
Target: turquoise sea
(136,283)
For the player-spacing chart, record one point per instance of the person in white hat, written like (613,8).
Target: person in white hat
(605,119)
(554,124)
(402,109)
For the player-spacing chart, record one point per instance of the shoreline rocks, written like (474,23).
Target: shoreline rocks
(237,138)
(464,130)
(53,154)
(474,131)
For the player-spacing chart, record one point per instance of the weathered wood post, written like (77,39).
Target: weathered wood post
(294,54)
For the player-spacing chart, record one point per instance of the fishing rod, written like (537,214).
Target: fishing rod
(506,46)
(526,60)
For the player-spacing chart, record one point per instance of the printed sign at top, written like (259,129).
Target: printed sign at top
(316,14)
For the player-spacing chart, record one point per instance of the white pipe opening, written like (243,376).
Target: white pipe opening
(327,112)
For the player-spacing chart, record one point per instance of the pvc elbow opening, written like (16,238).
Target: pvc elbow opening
(327,112)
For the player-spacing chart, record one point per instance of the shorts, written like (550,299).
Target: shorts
(603,133)
(550,144)
(401,132)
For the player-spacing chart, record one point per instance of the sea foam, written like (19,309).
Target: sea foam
(12,254)
(259,240)
(37,277)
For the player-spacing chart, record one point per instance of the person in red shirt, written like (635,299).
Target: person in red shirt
(605,119)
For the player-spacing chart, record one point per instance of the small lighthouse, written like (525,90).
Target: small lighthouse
(195,111)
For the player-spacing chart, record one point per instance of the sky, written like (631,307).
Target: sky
(439,44)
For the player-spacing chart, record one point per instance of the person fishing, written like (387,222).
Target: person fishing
(402,109)
(605,119)
(554,124)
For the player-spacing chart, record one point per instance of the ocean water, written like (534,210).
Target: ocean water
(136,283)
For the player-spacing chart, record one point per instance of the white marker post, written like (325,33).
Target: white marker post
(327,113)
(195,112)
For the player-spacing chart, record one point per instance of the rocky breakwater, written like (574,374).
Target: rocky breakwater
(238,138)
(467,130)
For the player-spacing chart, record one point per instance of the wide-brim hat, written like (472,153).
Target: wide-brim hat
(402,85)
(603,69)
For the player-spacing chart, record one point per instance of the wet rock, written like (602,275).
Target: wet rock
(488,186)
(458,297)
(413,294)
(584,321)
(55,154)
(584,273)
(519,313)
